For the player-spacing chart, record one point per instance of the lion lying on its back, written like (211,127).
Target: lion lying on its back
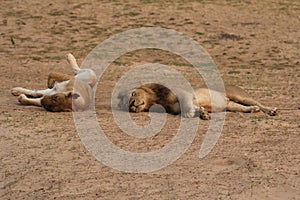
(235,100)
(60,95)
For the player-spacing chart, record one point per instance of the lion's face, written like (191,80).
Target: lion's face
(138,101)
(59,102)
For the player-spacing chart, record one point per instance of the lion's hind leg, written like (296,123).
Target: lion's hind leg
(32,93)
(16,91)
(72,61)
(236,107)
(238,95)
(251,102)
(86,75)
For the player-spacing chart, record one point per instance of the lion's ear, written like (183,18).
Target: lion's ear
(73,95)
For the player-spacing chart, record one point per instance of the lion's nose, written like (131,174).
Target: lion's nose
(132,103)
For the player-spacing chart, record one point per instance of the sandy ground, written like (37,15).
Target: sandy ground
(255,44)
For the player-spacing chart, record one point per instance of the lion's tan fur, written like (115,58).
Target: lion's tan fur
(235,99)
(57,77)
(64,93)
(151,94)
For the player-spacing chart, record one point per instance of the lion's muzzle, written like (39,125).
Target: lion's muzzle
(133,107)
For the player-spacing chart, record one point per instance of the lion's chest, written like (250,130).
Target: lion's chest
(61,87)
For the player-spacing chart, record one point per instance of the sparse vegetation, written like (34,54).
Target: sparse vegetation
(255,45)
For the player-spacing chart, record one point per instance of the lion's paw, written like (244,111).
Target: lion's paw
(254,109)
(22,99)
(203,114)
(51,83)
(16,91)
(272,112)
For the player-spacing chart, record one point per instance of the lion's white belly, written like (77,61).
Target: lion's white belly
(211,100)
(60,87)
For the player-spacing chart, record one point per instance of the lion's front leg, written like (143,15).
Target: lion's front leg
(24,100)
(195,111)
(186,104)
(33,93)
(56,77)
(19,90)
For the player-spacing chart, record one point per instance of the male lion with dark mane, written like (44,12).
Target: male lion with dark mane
(60,95)
(235,99)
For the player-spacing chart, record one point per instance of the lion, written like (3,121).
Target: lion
(205,101)
(60,94)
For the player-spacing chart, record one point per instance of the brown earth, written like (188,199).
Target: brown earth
(254,43)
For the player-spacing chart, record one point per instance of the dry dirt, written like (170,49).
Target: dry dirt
(254,43)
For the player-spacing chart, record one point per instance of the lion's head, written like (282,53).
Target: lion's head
(59,102)
(145,96)
(138,101)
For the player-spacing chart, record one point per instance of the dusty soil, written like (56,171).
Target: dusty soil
(254,43)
